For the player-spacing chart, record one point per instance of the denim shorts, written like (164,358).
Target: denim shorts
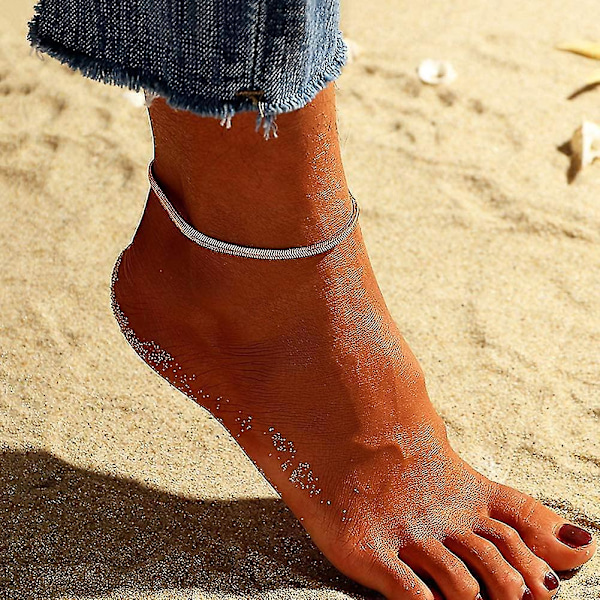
(212,57)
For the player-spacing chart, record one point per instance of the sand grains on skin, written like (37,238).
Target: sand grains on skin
(485,255)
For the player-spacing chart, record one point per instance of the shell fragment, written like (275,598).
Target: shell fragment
(585,145)
(436,72)
(582,47)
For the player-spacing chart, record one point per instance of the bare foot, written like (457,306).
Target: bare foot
(303,364)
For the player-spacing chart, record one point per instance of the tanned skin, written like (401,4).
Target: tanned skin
(302,362)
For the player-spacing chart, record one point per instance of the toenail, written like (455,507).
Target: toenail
(574,536)
(551,581)
(527,595)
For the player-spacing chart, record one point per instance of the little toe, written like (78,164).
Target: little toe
(561,544)
(445,569)
(538,576)
(501,580)
(394,578)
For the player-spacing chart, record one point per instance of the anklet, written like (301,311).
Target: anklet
(249,251)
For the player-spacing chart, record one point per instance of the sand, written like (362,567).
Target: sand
(116,486)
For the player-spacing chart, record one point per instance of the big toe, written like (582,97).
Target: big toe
(561,544)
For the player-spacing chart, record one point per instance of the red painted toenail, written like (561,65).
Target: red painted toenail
(551,581)
(574,536)
(527,595)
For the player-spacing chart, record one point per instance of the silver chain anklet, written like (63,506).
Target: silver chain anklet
(249,251)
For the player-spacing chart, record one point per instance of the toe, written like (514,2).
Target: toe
(445,569)
(501,580)
(393,578)
(538,576)
(402,583)
(561,544)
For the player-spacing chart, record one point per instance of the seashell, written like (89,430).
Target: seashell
(135,98)
(585,146)
(593,79)
(435,72)
(353,50)
(582,47)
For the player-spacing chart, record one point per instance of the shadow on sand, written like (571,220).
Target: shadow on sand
(71,532)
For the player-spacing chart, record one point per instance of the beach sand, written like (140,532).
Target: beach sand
(116,486)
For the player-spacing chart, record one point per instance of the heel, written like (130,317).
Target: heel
(158,359)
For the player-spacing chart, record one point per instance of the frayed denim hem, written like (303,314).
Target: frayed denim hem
(107,71)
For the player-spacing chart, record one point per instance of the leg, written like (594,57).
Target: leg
(303,364)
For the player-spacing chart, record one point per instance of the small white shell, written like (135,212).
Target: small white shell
(585,145)
(435,72)
(353,50)
(136,98)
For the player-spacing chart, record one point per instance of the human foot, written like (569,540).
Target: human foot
(303,364)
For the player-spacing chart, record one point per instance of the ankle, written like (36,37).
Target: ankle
(236,186)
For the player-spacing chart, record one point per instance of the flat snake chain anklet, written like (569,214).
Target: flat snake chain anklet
(249,251)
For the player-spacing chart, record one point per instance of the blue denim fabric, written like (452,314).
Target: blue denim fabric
(212,57)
